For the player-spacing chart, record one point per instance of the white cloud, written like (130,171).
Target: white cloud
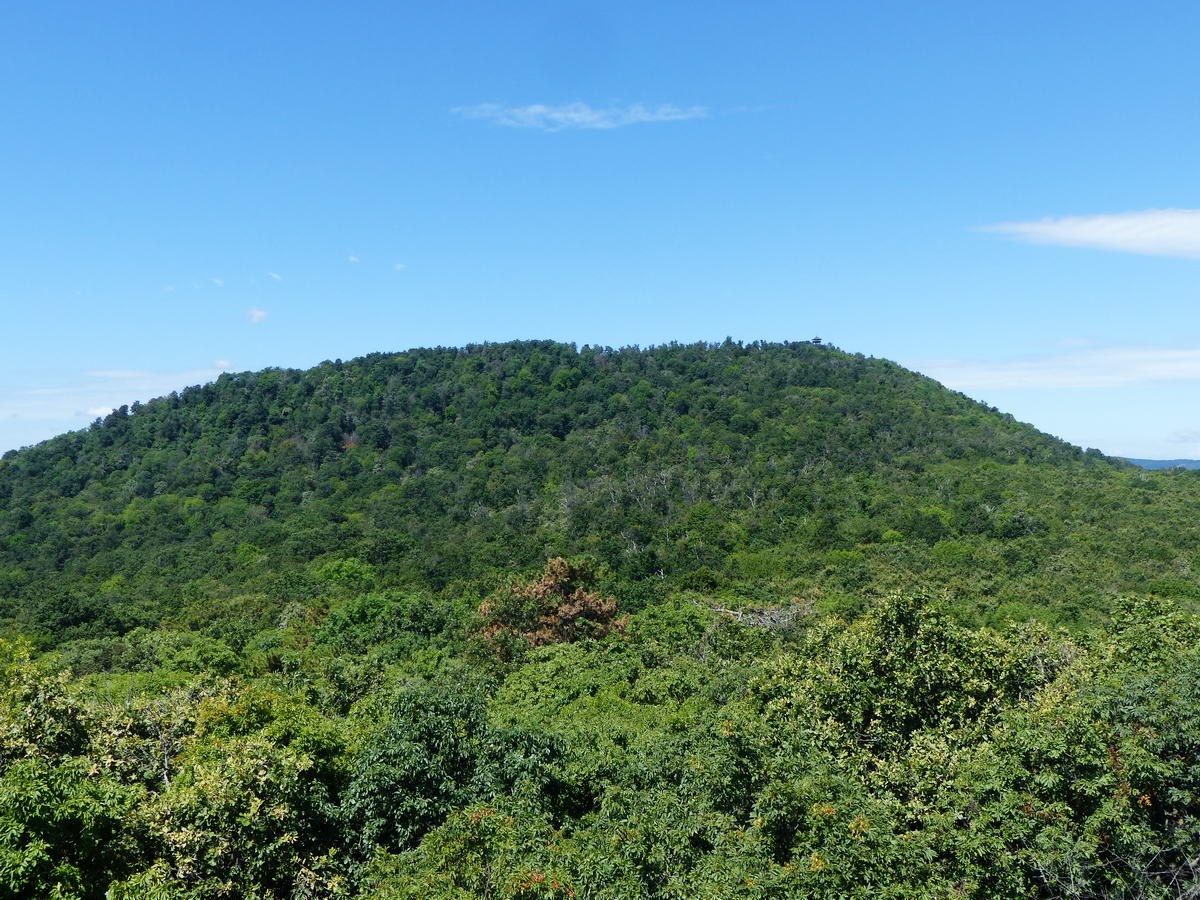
(1112,367)
(353,259)
(222,364)
(219,282)
(275,275)
(400,267)
(96,411)
(578,115)
(255,315)
(1155,232)
(168,288)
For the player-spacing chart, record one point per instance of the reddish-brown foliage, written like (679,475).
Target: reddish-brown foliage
(555,608)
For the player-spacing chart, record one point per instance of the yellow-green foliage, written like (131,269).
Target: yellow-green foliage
(900,754)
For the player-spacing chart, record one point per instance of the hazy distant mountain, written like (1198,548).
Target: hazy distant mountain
(1164,463)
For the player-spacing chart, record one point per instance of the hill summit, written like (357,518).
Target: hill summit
(769,468)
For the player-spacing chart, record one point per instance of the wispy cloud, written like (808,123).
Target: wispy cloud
(219,282)
(578,115)
(275,275)
(1112,367)
(36,412)
(222,364)
(353,259)
(255,315)
(400,267)
(1155,232)
(94,393)
(141,380)
(118,373)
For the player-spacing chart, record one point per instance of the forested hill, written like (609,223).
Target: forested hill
(760,468)
(522,622)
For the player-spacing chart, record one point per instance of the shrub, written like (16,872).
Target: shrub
(555,608)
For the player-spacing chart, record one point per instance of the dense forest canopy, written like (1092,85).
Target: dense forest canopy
(778,468)
(526,620)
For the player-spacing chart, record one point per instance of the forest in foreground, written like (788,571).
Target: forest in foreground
(527,620)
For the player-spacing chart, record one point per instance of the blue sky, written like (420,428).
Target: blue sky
(1001,195)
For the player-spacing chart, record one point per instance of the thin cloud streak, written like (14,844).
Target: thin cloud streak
(1185,436)
(49,409)
(1112,367)
(1151,232)
(118,373)
(578,115)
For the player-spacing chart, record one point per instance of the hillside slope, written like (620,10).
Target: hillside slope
(309,635)
(764,469)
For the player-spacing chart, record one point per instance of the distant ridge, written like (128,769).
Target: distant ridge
(1164,463)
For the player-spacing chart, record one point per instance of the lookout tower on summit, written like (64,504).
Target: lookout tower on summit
(817,341)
